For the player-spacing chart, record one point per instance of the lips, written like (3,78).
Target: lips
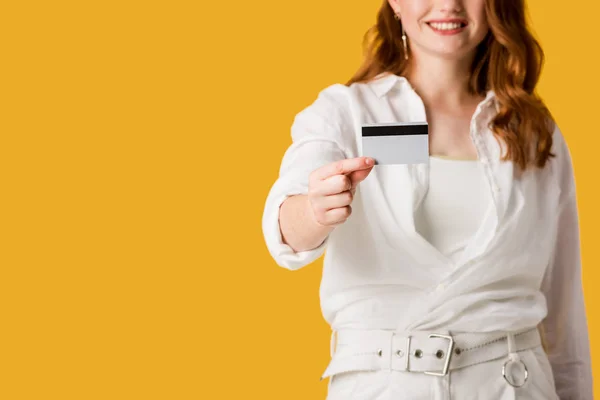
(448,25)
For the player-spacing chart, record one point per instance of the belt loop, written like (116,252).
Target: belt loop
(512,346)
(390,353)
(513,357)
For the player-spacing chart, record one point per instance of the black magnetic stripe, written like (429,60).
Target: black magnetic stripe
(395,130)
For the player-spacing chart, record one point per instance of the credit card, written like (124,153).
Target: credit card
(396,142)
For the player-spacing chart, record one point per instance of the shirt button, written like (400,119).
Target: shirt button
(440,287)
(496,189)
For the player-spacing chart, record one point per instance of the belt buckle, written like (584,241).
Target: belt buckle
(449,351)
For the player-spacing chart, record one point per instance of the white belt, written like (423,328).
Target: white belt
(424,352)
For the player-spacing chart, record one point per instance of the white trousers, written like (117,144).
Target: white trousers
(379,369)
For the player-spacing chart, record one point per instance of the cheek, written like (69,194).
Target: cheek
(477,12)
(412,18)
(475,6)
(482,30)
(412,10)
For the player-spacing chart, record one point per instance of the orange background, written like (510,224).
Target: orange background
(138,143)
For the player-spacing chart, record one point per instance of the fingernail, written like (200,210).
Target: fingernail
(368,161)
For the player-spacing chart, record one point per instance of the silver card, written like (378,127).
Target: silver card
(396,142)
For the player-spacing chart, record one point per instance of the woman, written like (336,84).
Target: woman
(437,275)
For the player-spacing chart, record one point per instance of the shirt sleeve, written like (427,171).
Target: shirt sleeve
(565,327)
(317,139)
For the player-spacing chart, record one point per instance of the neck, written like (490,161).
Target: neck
(439,80)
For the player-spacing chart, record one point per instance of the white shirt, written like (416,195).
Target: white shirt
(456,201)
(522,267)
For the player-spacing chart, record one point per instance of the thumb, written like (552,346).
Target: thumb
(358,176)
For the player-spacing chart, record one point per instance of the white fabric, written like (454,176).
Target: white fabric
(522,267)
(365,350)
(478,382)
(456,202)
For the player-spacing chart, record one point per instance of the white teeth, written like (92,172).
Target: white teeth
(445,26)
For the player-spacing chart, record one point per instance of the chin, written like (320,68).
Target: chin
(449,53)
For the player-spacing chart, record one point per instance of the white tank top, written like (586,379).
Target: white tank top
(454,205)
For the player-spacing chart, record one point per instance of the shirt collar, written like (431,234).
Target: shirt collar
(383,83)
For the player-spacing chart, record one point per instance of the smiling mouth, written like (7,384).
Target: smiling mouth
(447,26)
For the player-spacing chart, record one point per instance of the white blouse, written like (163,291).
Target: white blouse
(522,267)
(457,199)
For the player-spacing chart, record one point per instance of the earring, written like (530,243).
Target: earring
(397,17)
(405,46)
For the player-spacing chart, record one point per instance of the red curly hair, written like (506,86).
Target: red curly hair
(508,61)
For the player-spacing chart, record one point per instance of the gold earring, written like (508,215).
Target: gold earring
(397,17)
(405,45)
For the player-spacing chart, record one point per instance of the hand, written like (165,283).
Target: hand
(331,189)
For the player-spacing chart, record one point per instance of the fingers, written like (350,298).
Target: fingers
(338,216)
(340,183)
(335,216)
(336,201)
(343,167)
(334,209)
(332,185)
(358,176)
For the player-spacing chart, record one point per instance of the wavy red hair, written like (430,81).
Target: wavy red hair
(508,61)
